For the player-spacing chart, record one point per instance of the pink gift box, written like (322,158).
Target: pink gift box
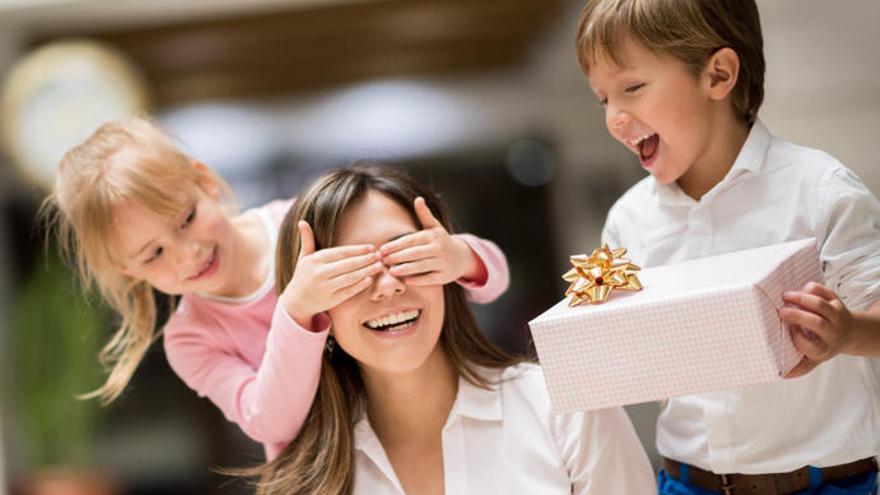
(697,326)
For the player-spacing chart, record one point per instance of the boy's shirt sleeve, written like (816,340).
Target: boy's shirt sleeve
(610,233)
(850,228)
(497,273)
(270,404)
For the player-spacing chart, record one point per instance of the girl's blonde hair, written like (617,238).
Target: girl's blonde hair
(320,459)
(132,160)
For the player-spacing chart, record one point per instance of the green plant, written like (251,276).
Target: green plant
(54,341)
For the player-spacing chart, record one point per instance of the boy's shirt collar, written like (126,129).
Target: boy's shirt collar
(750,159)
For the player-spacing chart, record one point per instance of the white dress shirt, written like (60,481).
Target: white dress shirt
(506,440)
(776,191)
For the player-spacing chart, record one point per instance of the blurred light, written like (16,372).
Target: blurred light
(386,120)
(530,163)
(234,141)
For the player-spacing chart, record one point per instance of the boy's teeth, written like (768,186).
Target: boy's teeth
(392,319)
(638,140)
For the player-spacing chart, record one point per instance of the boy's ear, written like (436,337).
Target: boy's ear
(721,73)
(206,179)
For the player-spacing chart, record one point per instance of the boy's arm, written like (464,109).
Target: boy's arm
(491,277)
(842,316)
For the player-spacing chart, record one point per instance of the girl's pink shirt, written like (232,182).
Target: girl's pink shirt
(260,367)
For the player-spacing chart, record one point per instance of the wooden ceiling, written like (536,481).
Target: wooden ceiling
(308,48)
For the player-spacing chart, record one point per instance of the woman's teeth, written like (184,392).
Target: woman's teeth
(392,322)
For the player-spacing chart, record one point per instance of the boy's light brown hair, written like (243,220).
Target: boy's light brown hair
(688,30)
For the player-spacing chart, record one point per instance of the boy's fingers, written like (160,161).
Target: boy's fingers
(306,238)
(809,344)
(820,290)
(806,319)
(409,240)
(405,255)
(805,366)
(810,302)
(426,218)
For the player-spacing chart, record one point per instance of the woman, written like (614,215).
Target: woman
(413,398)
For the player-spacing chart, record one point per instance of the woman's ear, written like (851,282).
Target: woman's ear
(206,179)
(721,73)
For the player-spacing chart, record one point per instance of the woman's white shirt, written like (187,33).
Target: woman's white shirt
(507,440)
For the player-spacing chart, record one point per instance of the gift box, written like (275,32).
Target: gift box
(697,326)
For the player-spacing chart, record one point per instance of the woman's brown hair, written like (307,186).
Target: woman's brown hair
(320,460)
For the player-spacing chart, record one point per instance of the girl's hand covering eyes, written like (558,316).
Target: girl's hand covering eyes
(326,277)
(431,256)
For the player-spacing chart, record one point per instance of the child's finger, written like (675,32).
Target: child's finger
(306,239)
(805,366)
(409,254)
(433,278)
(350,264)
(347,292)
(809,344)
(810,302)
(413,268)
(409,240)
(807,319)
(820,290)
(330,255)
(351,278)
(426,218)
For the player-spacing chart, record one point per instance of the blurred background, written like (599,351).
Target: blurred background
(482,99)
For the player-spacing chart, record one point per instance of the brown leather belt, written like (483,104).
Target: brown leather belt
(766,484)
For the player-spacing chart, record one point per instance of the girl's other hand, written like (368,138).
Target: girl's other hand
(431,256)
(327,277)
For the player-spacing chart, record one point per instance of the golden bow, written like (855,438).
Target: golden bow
(594,277)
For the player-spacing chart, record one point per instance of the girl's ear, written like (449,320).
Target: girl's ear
(721,73)
(206,179)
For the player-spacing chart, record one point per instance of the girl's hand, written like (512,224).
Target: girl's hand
(431,256)
(327,277)
(821,325)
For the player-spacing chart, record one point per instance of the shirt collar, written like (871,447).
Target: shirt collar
(750,158)
(471,401)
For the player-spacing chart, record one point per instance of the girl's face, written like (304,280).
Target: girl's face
(191,251)
(390,326)
(656,107)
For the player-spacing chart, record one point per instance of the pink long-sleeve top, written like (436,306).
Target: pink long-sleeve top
(251,359)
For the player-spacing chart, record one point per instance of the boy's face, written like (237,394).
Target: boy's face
(657,107)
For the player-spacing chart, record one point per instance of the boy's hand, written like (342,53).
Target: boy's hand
(326,277)
(431,256)
(821,325)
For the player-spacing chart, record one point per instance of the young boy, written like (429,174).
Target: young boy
(681,82)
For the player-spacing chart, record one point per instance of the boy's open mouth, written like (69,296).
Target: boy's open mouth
(648,147)
(394,322)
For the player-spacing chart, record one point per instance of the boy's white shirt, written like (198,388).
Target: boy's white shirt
(506,440)
(776,191)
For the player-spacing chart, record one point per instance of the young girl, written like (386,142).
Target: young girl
(137,214)
(412,397)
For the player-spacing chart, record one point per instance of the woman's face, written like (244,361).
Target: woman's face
(390,326)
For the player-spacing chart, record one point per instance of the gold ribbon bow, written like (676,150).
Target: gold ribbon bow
(594,277)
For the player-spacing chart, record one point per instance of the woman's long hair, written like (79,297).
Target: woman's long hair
(320,460)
